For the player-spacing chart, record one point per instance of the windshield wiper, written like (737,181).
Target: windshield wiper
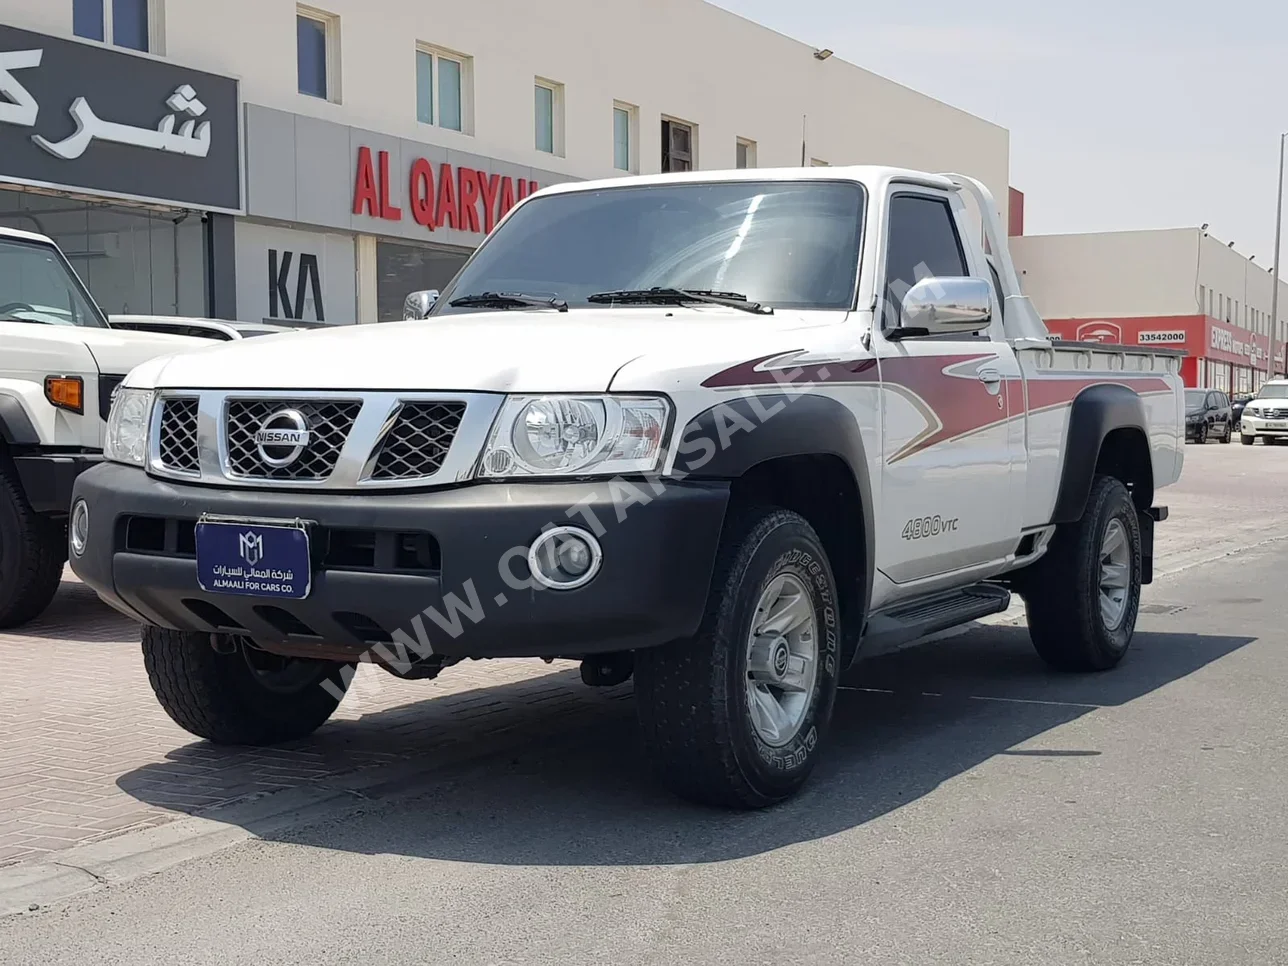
(677,296)
(510,300)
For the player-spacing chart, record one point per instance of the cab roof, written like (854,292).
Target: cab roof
(874,176)
(20,235)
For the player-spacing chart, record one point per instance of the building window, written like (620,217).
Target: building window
(625,124)
(1209,305)
(818,163)
(317,48)
(678,148)
(549,116)
(745,154)
(441,83)
(129,23)
(1202,296)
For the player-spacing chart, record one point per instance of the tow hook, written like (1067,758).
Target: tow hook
(607,670)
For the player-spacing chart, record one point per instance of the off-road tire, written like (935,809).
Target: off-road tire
(691,696)
(33,550)
(1064,615)
(217,696)
(1247,440)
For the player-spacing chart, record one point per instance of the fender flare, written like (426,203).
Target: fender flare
(16,427)
(737,435)
(1096,412)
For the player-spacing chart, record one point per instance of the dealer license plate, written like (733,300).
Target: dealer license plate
(252,558)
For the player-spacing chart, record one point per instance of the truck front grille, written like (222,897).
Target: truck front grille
(179,450)
(329,423)
(355,440)
(417,444)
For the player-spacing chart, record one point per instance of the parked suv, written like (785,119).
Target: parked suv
(61,364)
(1208,414)
(1267,414)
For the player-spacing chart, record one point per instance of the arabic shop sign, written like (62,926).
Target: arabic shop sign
(98,119)
(438,196)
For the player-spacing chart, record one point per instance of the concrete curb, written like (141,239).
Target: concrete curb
(87,868)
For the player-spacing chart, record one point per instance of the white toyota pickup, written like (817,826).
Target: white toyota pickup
(725,431)
(59,365)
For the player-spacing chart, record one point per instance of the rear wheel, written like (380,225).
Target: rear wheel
(32,553)
(1229,433)
(736,716)
(241,695)
(1082,613)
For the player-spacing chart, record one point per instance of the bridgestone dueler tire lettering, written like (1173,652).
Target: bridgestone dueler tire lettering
(691,695)
(1063,601)
(217,697)
(32,553)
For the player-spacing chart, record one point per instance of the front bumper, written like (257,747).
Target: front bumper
(47,479)
(1256,426)
(392,564)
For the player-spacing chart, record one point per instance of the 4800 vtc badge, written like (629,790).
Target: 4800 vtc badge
(923,527)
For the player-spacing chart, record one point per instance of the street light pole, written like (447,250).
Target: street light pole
(1274,295)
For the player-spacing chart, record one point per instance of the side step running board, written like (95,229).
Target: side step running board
(910,620)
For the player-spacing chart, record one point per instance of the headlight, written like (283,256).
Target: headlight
(576,435)
(127,427)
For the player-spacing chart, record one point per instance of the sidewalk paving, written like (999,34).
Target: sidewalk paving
(87,753)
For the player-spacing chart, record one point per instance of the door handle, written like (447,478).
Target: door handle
(990,377)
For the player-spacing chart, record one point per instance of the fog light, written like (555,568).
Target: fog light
(79,529)
(565,558)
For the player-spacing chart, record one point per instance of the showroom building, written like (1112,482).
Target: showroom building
(133,164)
(377,144)
(1176,289)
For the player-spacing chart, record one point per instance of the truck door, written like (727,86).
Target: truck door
(947,404)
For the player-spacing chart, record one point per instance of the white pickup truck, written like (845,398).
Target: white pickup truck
(726,431)
(59,365)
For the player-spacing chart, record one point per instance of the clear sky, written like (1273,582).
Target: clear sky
(1128,114)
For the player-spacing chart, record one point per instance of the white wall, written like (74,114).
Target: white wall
(1110,274)
(683,58)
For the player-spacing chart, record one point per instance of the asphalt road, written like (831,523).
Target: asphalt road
(974,808)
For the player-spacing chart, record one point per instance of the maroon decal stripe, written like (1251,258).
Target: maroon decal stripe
(954,404)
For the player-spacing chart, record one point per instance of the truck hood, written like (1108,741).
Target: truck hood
(114,351)
(577,351)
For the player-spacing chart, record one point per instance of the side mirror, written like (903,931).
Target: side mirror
(939,306)
(418,304)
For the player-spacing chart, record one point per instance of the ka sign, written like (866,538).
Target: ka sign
(86,117)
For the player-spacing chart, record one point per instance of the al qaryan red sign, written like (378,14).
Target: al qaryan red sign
(437,199)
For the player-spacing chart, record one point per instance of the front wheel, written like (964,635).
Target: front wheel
(1247,440)
(736,716)
(32,553)
(240,695)
(1083,613)
(1202,434)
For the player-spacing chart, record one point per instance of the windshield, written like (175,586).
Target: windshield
(1273,392)
(785,244)
(37,285)
(1195,398)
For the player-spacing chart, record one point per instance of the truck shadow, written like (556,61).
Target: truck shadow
(76,615)
(904,724)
